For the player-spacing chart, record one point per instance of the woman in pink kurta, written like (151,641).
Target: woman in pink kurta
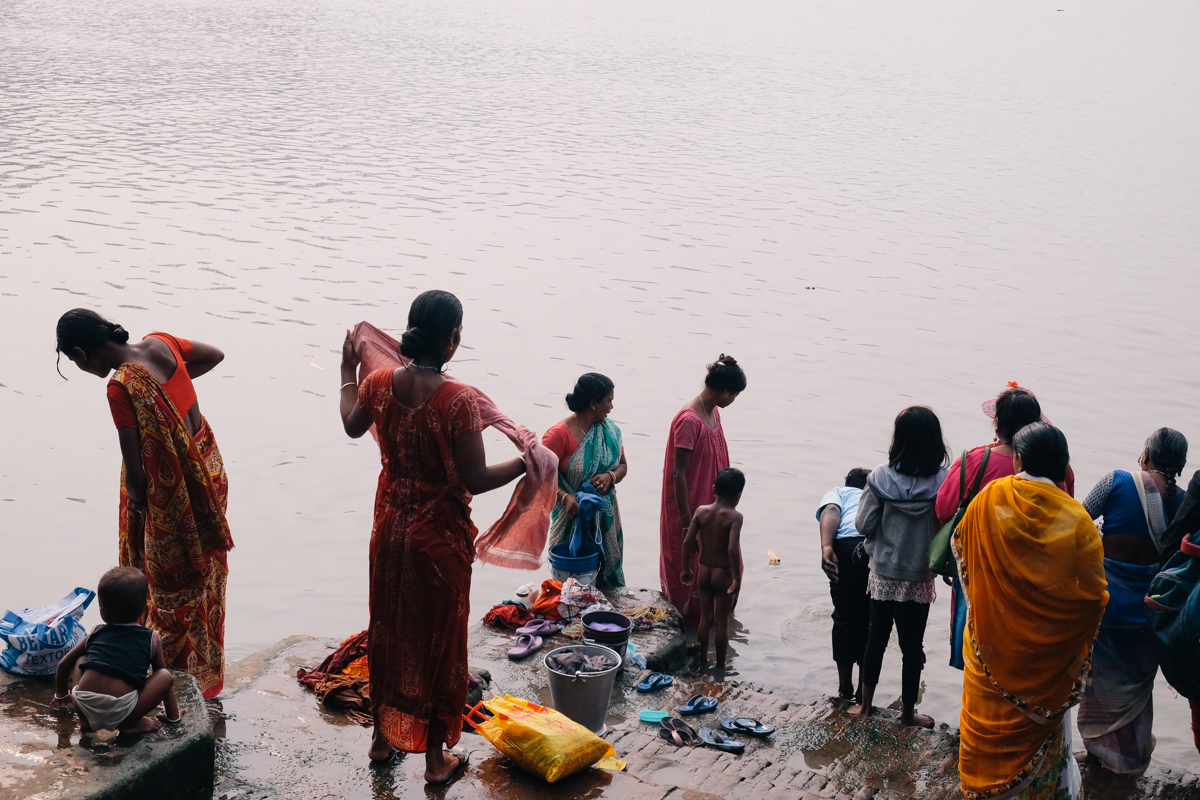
(696,451)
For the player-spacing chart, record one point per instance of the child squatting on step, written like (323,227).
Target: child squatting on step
(716,530)
(107,671)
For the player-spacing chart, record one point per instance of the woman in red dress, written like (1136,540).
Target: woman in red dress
(422,540)
(696,452)
(174,489)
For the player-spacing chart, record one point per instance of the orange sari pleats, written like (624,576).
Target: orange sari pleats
(182,540)
(1032,570)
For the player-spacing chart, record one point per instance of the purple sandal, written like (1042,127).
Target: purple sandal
(539,627)
(525,645)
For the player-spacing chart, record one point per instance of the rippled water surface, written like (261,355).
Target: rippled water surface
(870,204)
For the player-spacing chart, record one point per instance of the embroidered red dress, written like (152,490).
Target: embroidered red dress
(710,455)
(422,546)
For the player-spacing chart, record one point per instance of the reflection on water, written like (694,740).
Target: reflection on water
(869,205)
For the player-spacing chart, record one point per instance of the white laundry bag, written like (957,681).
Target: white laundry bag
(39,638)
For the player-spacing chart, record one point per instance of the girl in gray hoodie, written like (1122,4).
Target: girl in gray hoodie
(897,520)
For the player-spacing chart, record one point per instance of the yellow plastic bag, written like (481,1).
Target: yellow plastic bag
(541,740)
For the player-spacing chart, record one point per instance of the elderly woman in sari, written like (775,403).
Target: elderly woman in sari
(1032,571)
(588,446)
(1116,714)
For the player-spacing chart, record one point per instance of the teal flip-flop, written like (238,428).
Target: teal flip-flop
(653,717)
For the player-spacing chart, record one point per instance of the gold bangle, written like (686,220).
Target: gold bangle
(350,383)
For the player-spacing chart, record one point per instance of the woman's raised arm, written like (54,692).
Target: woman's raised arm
(473,468)
(203,358)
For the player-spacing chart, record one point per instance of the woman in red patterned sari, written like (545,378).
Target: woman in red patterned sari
(173,484)
(422,540)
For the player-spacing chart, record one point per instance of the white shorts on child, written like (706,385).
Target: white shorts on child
(103,711)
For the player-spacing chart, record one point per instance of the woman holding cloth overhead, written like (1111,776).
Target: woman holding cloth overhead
(173,484)
(696,452)
(588,446)
(1032,571)
(422,540)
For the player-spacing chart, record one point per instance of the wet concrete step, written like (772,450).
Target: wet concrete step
(280,743)
(43,755)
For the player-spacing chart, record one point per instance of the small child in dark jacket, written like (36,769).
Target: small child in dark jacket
(107,671)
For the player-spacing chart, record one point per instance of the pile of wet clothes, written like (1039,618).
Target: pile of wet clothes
(342,681)
(571,662)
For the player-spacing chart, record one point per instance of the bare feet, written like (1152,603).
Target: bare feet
(862,710)
(450,762)
(165,718)
(381,748)
(912,718)
(141,725)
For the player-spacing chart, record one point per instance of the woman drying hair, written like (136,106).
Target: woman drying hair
(173,483)
(422,541)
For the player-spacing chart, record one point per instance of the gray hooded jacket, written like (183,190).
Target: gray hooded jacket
(897,518)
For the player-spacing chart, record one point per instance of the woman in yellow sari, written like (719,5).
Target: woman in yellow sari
(1032,571)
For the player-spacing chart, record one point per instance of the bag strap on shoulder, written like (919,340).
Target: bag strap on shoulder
(982,469)
(963,498)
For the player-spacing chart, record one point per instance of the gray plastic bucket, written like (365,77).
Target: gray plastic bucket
(583,698)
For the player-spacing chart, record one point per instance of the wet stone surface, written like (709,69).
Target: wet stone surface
(44,757)
(280,744)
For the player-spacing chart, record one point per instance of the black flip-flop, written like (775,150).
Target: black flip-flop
(721,742)
(464,758)
(676,724)
(750,727)
(392,758)
(677,737)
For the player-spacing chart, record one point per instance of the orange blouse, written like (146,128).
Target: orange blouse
(178,388)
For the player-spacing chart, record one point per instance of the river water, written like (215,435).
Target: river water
(869,204)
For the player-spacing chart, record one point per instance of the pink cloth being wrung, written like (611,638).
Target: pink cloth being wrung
(518,538)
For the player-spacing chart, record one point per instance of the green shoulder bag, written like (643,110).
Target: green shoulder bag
(941,556)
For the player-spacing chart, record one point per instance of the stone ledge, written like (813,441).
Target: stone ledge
(174,763)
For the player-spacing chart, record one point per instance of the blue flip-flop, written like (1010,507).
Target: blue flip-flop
(750,727)
(698,705)
(655,681)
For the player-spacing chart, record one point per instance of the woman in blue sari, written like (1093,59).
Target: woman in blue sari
(1116,713)
(588,446)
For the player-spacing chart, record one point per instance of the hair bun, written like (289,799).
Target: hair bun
(117,334)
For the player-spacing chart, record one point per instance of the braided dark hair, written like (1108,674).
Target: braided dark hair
(724,375)
(87,330)
(592,387)
(1167,450)
(432,320)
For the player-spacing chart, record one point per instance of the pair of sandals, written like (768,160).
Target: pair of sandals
(680,734)
(529,638)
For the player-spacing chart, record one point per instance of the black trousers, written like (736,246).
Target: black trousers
(910,619)
(851,603)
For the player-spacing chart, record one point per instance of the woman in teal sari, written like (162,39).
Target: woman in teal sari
(588,446)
